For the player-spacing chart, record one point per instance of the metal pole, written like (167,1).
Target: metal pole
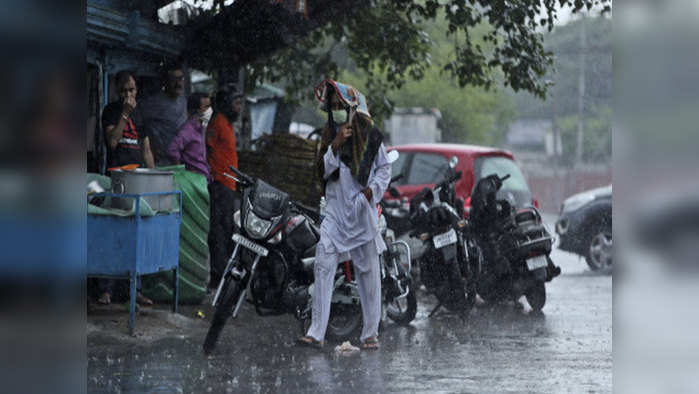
(581,94)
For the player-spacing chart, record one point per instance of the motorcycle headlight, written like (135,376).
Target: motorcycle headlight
(236,218)
(390,236)
(382,224)
(256,227)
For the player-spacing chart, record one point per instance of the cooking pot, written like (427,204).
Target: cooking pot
(142,180)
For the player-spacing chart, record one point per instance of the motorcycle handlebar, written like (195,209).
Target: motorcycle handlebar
(395,178)
(453,178)
(307,210)
(243,176)
(392,203)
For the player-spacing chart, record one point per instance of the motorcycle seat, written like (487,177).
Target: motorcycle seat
(310,252)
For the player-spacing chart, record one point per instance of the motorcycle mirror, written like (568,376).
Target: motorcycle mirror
(392,156)
(394,192)
(453,161)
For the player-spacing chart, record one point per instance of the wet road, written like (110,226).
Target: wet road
(567,349)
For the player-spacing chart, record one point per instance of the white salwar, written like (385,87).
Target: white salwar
(350,231)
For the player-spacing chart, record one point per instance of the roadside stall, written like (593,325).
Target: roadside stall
(134,232)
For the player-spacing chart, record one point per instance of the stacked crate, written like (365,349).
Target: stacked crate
(286,162)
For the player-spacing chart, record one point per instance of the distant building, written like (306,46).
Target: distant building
(414,125)
(264,103)
(532,135)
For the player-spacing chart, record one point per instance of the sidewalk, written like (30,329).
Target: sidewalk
(107,324)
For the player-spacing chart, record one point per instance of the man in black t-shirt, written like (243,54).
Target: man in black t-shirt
(125,146)
(121,125)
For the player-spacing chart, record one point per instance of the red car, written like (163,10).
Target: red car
(423,165)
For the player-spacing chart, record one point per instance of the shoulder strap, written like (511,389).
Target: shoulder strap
(372,149)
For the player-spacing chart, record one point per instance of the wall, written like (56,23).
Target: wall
(413,125)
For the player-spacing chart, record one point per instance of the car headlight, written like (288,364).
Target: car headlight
(256,227)
(562,226)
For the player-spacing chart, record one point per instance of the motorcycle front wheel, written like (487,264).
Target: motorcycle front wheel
(230,294)
(403,311)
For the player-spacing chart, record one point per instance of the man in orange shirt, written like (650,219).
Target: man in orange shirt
(224,199)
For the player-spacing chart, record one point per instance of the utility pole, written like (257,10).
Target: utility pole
(581,94)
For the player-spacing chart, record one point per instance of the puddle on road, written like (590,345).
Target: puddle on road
(502,349)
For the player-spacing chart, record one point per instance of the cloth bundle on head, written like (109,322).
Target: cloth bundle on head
(360,149)
(347,95)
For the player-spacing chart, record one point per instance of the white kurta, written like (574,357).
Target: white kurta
(350,231)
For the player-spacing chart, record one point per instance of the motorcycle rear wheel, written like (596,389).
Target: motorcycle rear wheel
(536,295)
(230,294)
(344,322)
(453,297)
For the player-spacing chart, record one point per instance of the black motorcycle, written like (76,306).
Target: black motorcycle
(445,269)
(397,287)
(272,263)
(512,247)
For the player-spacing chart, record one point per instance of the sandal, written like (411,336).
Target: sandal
(309,341)
(143,300)
(370,344)
(105,299)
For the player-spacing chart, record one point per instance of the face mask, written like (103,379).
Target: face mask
(206,116)
(340,116)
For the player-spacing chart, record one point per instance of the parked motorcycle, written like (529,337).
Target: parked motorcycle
(397,212)
(397,288)
(445,270)
(272,263)
(512,247)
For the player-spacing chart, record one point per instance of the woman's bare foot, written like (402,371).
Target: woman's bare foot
(143,300)
(105,299)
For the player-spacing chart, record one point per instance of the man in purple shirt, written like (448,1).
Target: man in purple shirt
(188,146)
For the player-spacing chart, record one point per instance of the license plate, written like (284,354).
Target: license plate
(536,262)
(445,239)
(250,245)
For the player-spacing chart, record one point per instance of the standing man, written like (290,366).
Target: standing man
(126,144)
(165,112)
(126,141)
(188,146)
(355,173)
(224,199)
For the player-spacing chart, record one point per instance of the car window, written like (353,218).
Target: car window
(427,168)
(399,166)
(501,166)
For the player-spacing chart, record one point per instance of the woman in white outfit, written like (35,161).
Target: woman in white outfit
(356,173)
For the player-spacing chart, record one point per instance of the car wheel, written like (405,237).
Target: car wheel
(599,249)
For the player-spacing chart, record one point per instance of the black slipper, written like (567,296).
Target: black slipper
(309,342)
